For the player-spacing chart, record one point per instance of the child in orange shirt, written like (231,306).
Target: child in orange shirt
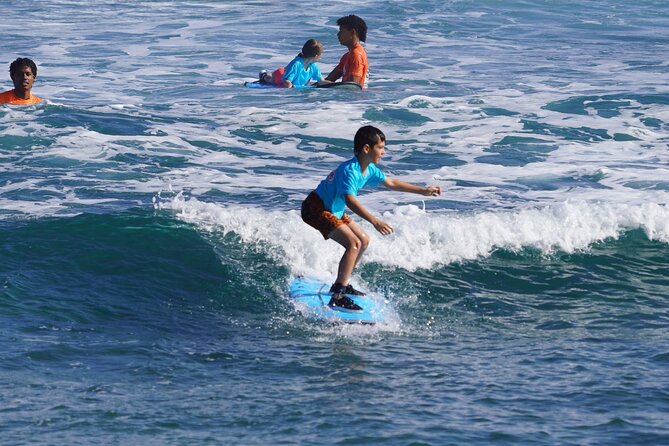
(353,66)
(23,72)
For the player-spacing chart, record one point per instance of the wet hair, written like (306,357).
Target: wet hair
(312,48)
(356,23)
(369,135)
(22,62)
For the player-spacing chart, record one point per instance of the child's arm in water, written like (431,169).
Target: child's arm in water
(335,74)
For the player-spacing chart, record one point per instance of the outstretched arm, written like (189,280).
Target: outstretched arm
(354,205)
(401,186)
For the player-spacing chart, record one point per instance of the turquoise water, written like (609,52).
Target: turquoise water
(149,226)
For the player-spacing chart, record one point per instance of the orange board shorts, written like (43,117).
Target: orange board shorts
(314,214)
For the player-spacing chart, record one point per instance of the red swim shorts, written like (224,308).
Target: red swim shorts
(277,76)
(314,214)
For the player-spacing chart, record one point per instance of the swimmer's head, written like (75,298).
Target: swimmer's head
(20,63)
(354,23)
(23,72)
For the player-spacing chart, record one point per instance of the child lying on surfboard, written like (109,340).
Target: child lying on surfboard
(324,207)
(300,71)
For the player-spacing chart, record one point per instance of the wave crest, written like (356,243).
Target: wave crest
(426,239)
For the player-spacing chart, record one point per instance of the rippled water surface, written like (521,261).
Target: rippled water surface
(149,226)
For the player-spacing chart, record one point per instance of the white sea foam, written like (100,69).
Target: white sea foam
(430,239)
(468,76)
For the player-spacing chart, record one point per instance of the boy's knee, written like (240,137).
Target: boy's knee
(364,241)
(355,244)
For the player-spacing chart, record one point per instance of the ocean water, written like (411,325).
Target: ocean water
(149,226)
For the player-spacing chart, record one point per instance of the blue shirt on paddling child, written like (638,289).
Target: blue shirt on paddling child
(300,71)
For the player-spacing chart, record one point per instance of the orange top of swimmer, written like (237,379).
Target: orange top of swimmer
(354,65)
(9,97)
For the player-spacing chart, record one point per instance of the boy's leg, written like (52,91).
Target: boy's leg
(363,237)
(346,237)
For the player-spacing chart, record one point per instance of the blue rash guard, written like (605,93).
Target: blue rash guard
(295,72)
(347,179)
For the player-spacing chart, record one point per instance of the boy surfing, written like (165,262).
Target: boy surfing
(324,208)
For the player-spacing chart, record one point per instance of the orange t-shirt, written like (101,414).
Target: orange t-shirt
(354,63)
(8,97)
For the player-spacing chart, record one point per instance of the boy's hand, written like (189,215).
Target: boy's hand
(383,227)
(432,191)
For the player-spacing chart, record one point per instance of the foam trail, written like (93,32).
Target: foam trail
(426,240)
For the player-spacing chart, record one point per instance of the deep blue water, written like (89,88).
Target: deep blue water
(149,226)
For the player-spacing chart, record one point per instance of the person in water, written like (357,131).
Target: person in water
(353,66)
(23,73)
(324,207)
(301,70)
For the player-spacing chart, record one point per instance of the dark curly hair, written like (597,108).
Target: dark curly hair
(22,62)
(356,23)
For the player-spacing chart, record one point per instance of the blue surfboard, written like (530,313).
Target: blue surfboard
(335,85)
(262,85)
(311,297)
